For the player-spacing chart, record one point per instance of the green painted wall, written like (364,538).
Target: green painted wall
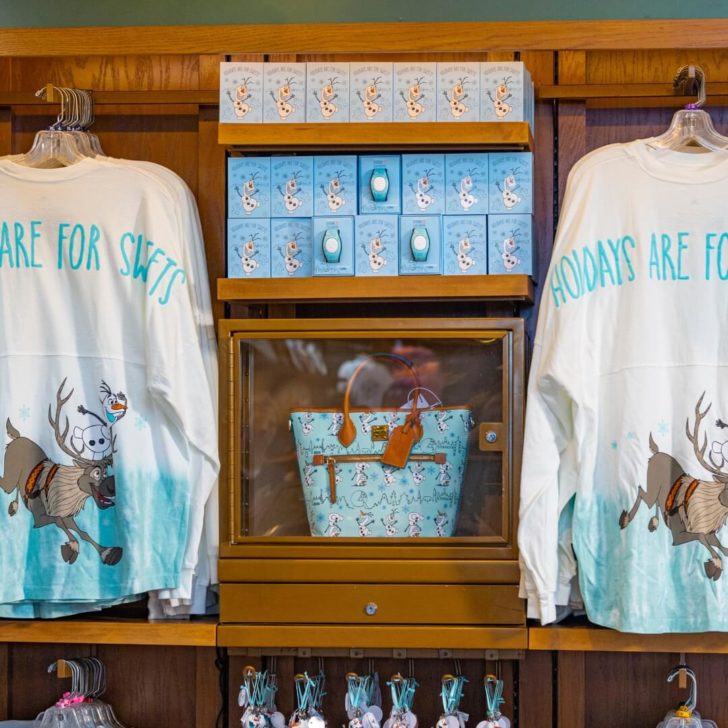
(48,13)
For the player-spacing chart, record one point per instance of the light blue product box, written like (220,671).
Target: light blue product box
(458,91)
(291,186)
(420,245)
(510,180)
(415,92)
(241,93)
(291,241)
(284,93)
(248,248)
(377,245)
(335,185)
(380,185)
(423,184)
(370,97)
(510,244)
(465,246)
(504,91)
(327,92)
(466,184)
(333,246)
(248,187)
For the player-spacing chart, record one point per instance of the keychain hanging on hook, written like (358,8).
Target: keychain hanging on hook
(493,700)
(451,692)
(403,693)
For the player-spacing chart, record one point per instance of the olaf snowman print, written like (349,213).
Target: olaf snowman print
(462,253)
(248,194)
(291,199)
(248,255)
(291,255)
(423,191)
(241,107)
(370,98)
(375,252)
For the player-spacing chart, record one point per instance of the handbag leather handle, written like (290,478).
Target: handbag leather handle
(347,433)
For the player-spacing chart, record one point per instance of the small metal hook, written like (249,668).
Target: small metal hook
(686,79)
(692,700)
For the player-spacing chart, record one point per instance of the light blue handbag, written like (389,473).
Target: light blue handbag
(358,477)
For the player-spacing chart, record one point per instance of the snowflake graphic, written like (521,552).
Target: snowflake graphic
(631,436)
(321,518)
(613,445)
(24,412)
(140,423)
(663,428)
(431,470)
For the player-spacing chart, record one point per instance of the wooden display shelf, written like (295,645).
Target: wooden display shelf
(373,636)
(194,633)
(400,288)
(601,639)
(514,135)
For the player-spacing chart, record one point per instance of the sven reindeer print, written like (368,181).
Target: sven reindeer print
(55,493)
(693,509)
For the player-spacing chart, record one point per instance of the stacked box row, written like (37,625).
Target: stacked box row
(408,184)
(380,245)
(373,91)
(380,215)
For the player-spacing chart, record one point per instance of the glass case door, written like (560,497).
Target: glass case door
(391,432)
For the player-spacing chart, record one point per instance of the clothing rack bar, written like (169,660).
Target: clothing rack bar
(587,91)
(195,96)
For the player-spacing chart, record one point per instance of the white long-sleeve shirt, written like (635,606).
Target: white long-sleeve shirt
(631,334)
(97,286)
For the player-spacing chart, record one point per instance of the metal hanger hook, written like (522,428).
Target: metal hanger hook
(692,700)
(683,77)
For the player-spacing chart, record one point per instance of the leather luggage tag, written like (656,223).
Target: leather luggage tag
(400,444)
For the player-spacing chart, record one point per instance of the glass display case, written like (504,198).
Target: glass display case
(369,450)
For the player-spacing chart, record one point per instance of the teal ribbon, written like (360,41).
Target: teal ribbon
(317,696)
(303,693)
(493,695)
(403,693)
(358,688)
(451,693)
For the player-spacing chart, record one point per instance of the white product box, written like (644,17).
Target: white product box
(241,93)
(506,91)
(415,92)
(370,92)
(458,91)
(284,93)
(327,92)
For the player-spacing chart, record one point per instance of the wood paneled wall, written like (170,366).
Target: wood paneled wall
(176,686)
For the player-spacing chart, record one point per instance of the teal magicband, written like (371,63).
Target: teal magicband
(379,184)
(331,245)
(420,244)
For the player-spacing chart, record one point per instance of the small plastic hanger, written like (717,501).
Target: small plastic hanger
(53,147)
(691,126)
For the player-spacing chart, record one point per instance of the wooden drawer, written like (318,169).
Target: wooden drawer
(370,604)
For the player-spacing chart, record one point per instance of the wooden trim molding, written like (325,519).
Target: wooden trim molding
(380,37)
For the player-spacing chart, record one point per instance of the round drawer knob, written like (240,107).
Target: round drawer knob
(491,436)
(371,609)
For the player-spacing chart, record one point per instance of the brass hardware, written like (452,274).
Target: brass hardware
(380,433)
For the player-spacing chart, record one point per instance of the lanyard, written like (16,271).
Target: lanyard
(493,693)
(358,689)
(403,692)
(304,686)
(451,692)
